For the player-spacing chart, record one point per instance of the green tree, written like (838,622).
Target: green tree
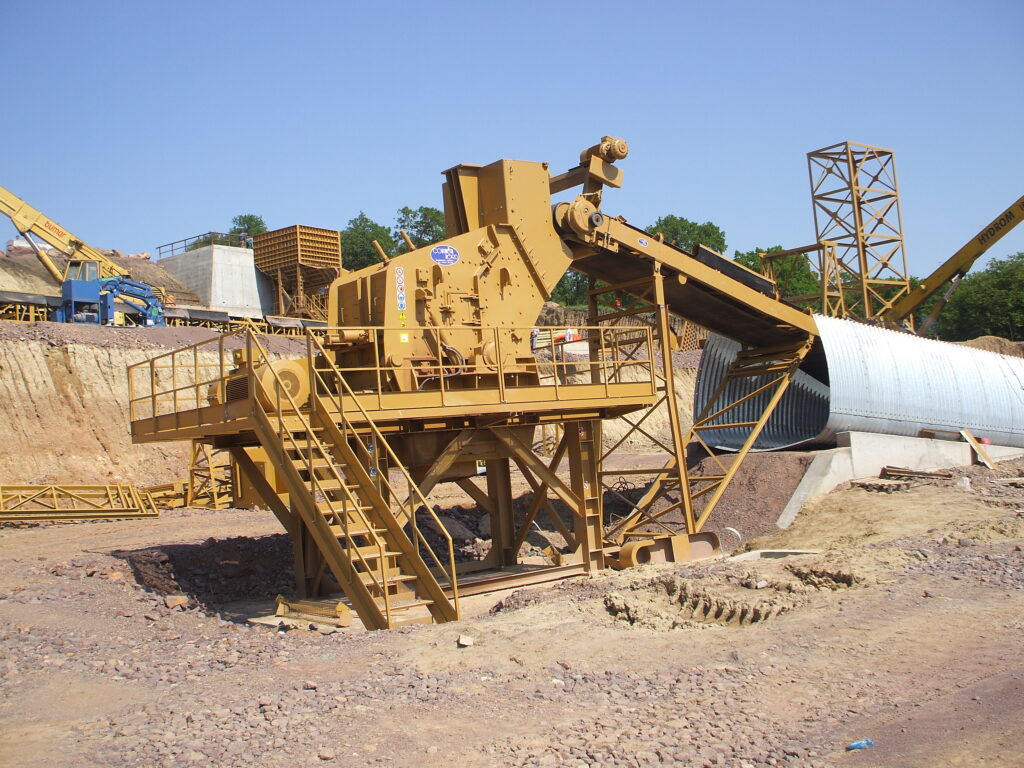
(425,225)
(987,303)
(357,238)
(793,274)
(684,234)
(571,290)
(249,223)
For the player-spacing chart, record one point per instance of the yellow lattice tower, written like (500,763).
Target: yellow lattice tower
(857,209)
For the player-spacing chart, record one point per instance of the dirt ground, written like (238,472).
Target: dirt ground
(905,627)
(151,643)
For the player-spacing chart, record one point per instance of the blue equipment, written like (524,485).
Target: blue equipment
(92,302)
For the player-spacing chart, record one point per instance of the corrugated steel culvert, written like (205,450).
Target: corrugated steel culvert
(868,379)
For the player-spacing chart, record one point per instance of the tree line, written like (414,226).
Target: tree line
(988,302)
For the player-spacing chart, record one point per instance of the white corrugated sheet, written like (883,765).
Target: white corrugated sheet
(880,381)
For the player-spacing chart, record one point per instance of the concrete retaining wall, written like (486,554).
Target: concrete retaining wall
(224,278)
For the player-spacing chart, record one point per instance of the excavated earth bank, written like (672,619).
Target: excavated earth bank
(64,403)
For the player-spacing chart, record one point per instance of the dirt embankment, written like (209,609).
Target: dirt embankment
(65,416)
(64,403)
(996,344)
(23,273)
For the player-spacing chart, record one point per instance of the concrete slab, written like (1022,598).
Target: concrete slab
(863,454)
(828,469)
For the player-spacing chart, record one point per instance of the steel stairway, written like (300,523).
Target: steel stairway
(340,492)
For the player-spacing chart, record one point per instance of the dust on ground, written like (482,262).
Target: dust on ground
(125,642)
(962,503)
(908,634)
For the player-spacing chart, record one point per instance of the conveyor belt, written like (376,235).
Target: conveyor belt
(34,299)
(706,288)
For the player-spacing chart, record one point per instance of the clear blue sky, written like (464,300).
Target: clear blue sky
(138,123)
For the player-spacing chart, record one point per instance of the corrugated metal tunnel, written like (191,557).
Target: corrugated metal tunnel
(867,379)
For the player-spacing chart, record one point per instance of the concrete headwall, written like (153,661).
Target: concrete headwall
(224,278)
(863,454)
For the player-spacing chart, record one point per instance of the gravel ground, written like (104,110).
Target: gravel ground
(122,648)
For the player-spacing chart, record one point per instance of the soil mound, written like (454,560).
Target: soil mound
(996,344)
(22,273)
(739,593)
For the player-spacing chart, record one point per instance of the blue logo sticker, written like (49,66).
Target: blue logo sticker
(643,242)
(445,255)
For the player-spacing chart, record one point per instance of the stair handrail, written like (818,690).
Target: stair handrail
(311,440)
(415,496)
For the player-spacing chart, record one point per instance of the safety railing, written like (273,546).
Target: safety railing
(233,239)
(270,326)
(592,366)
(183,379)
(329,382)
(313,452)
(600,355)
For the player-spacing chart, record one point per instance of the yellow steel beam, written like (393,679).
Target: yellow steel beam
(959,263)
(19,503)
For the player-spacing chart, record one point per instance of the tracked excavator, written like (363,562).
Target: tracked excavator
(91,282)
(426,373)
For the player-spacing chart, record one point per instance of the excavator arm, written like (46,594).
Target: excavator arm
(138,295)
(955,267)
(28,220)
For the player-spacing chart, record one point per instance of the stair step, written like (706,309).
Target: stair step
(339,506)
(317,463)
(330,485)
(352,530)
(420,603)
(372,553)
(396,577)
(299,456)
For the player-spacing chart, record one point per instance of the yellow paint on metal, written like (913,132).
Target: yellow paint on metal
(429,368)
(20,503)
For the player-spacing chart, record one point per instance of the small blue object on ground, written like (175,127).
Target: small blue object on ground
(862,744)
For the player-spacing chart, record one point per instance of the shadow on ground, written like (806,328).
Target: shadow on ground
(216,571)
